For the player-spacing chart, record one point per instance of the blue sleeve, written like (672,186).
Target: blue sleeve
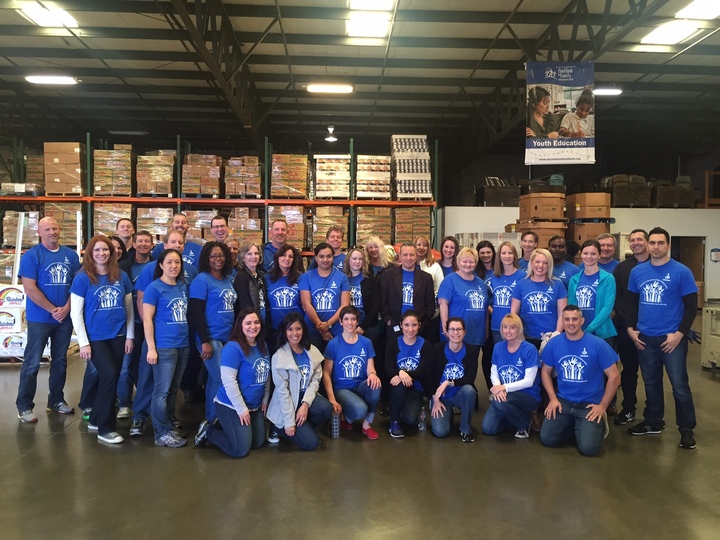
(157,250)
(330,352)
(151,296)
(632,287)
(687,284)
(199,289)
(304,282)
(446,289)
(561,290)
(548,354)
(80,284)
(29,265)
(370,348)
(344,284)
(145,277)
(516,292)
(531,355)
(75,261)
(127,284)
(606,354)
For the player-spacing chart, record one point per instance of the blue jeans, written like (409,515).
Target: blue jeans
(89,387)
(167,374)
(129,371)
(306,438)
(358,403)
(235,439)
(513,414)
(212,365)
(571,421)
(144,388)
(405,404)
(464,399)
(652,360)
(37,337)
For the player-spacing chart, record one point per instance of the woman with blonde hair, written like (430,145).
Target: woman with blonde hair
(377,255)
(427,261)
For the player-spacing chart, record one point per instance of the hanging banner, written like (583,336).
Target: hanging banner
(560,113)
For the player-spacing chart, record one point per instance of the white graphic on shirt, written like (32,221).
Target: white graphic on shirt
(324,299)
(510,374)
(285,297)
(59,274)
(572,368)
(351,366)
(409,363)
(477,299)
(304,375)
(178,309)
(453,372)
(503,295)
(228,296)
(652,291)
(261,297)
(667,277)
(519,362)
(407,293)
(584,296)
(562,275)
(356,298)
(108,297)
(262,369)
(538,302)
(187,259)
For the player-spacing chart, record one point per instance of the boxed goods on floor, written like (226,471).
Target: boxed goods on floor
(155,173)
(112,172)
(542,206)
(65,168)
(289,176)
(588,206)
(201,175)
(106,216)
(579,232)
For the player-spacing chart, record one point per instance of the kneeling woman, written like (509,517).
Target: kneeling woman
(452,374)
(296,408)
(349,376)
(242,398)
(406,357)
(516,385)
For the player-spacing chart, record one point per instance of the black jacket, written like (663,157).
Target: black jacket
(391,295)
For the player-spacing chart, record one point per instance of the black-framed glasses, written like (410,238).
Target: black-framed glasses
(216,257)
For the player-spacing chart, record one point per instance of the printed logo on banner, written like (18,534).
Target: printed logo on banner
(12,297)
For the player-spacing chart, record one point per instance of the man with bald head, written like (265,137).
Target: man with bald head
(46,270)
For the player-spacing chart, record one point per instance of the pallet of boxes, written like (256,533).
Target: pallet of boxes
(589,216)
(65,167)
(543,214)
(666,194)
(332,176)
(201,176)
(113,171)
(155,173)
(411,168)
(242,178)
(628,190)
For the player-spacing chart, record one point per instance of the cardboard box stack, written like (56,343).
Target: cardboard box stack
(107,215)
(246,225)
(373,222)
(155,173)
(373,177)
(65,168)
(7,260)
(295,217)
(289,176)
(584,211)
(324,218)
(332,176)
(201,175)
(34,173)
(411,167)
(10,223)
(66,214)
(112,171)
(154,220)
(242,177)
(199,225)
(411,223)
(542,213)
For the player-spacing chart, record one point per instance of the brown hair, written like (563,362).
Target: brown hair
(89,263)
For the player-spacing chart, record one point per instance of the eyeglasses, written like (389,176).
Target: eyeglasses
(218,226)
(216,257)
(456,330)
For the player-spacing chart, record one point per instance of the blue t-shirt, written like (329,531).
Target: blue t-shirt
(523,264)
(325,293)
(501,288)
(53,272)
(376,269)
(586,296)
(146,275)
(511,367)
(356,298)
(538,305)
(252,374)
(661,289)
(104,311)
(338,262)
(580,366)
(454,370)
(564,271)
(282,300)
(608,267)
(469,300)
(170,321)
(408,358)
(269,252)
(190,254)
(408,286)
(135,270)
(446,270)
(349,361)
(302,361)
(220,297)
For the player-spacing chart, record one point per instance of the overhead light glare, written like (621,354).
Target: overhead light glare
(373,24)
(50,79)
(330,88)
(670,33)
(608,91)
(700,9)
(331,137)
(47,15)
(372,5)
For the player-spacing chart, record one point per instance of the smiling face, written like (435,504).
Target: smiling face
(118,250)
(171,265)
(607,249)
(125,229)
(324,259)
(175,240)
(49,232)
(143,244)
(334,238)
(448,249)
(356,261)
(506,256)
(540,266)
(486,255)
(278,233)
(349,323)
(421,246)
(466,265)
(180,224)
(572,322)
(373,251)
(294,334)
(251,258)
(590,256)
(219,229)
(528,243)
(101,254)
(408,258)
(410,327)
(285,261)
(558,249)
(509,331)
(455,332)
(638,244)
(234,247)
(251,327)
(217,259)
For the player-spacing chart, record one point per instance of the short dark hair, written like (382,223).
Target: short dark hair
(144,233)
(645,234)
(457,320)
(123,219)
(660,230)
(572,307)
(216,217)
(349,310)
(532,233)
(591,242)
(410,313)
(557,237)
(287,322)
(321,246)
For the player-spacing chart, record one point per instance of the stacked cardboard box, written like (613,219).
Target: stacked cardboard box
(411,223)
(7,260)
(373,177)
(155,173)
(332,176)
(112,172)
(201,175)
(65,168)
(411,167)
(289,176)
(68,216)
(242,177)
(11,220)
(295,217)
(154,220)
(324,218)
(34,173)
(588,206)
(199,225)
(246,224)
(107,215)
(542,213)
(372,221)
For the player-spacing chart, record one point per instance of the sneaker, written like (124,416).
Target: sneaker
(687,439)
(111,438)
(202,434)
(644,428)
(86,413)
(171,440)
(137,428)
(273,435)
(27,417)
(124,413)
(625,417)
(522,434)
(395,431)
(92,428)
(176,424)
(467,437)
(370,433)
(606,424)
(60,407)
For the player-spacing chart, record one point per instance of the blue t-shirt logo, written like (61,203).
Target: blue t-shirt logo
(503,295)
(572,368)
(286,297)
(352,366)
(178,308)
(109,296)
(539,301)
(584,297)
(510,374)
(407,293)
(453,372)
(356,297)
(59,273)
(519,362)
(652,291)
(324,299)
(409,363)
(228,297)
(304,376)
(261,366)
(476,298)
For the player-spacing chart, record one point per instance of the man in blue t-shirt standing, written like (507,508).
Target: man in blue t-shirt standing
(577,409)
(46,270)
(662,304)
(562,269)
(277,233)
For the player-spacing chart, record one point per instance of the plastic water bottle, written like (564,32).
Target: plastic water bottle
(335,426)
(422,420)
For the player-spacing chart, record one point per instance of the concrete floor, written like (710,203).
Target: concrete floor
(57,481)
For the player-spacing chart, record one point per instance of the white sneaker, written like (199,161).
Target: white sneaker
(522,434)
(92,428)
(27,417)
(111,438)
(123,413)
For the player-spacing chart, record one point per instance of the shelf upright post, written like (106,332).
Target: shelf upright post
(266,187)
(178,169)
(435,182)
(351,225)
(89,188)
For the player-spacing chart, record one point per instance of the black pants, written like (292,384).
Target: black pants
(487,352)
(630,365)
(107,357)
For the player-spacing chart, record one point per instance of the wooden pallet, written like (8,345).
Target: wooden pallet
(111,194)
(244,196)
(155,195)
(199,196)
(580,221)
(51,194)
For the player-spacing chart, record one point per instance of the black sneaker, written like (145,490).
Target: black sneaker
(385,411)
(687,439)
(625,417)
(202,434)
(467,437)
(273,435)
(644,428)
(137,428)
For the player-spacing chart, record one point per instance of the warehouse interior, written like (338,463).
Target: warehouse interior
(229,77)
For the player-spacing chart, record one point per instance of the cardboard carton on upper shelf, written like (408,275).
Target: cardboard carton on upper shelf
(64,148)
(588,205)
(542,206)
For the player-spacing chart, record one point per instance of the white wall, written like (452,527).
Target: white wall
(678,222)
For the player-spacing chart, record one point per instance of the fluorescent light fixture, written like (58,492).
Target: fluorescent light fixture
(374,24)
(670,33)
(121,132)
(47,15)
(372,5)
(700,9)
(50,79)
(330,88)
(607,91)
(331,137)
